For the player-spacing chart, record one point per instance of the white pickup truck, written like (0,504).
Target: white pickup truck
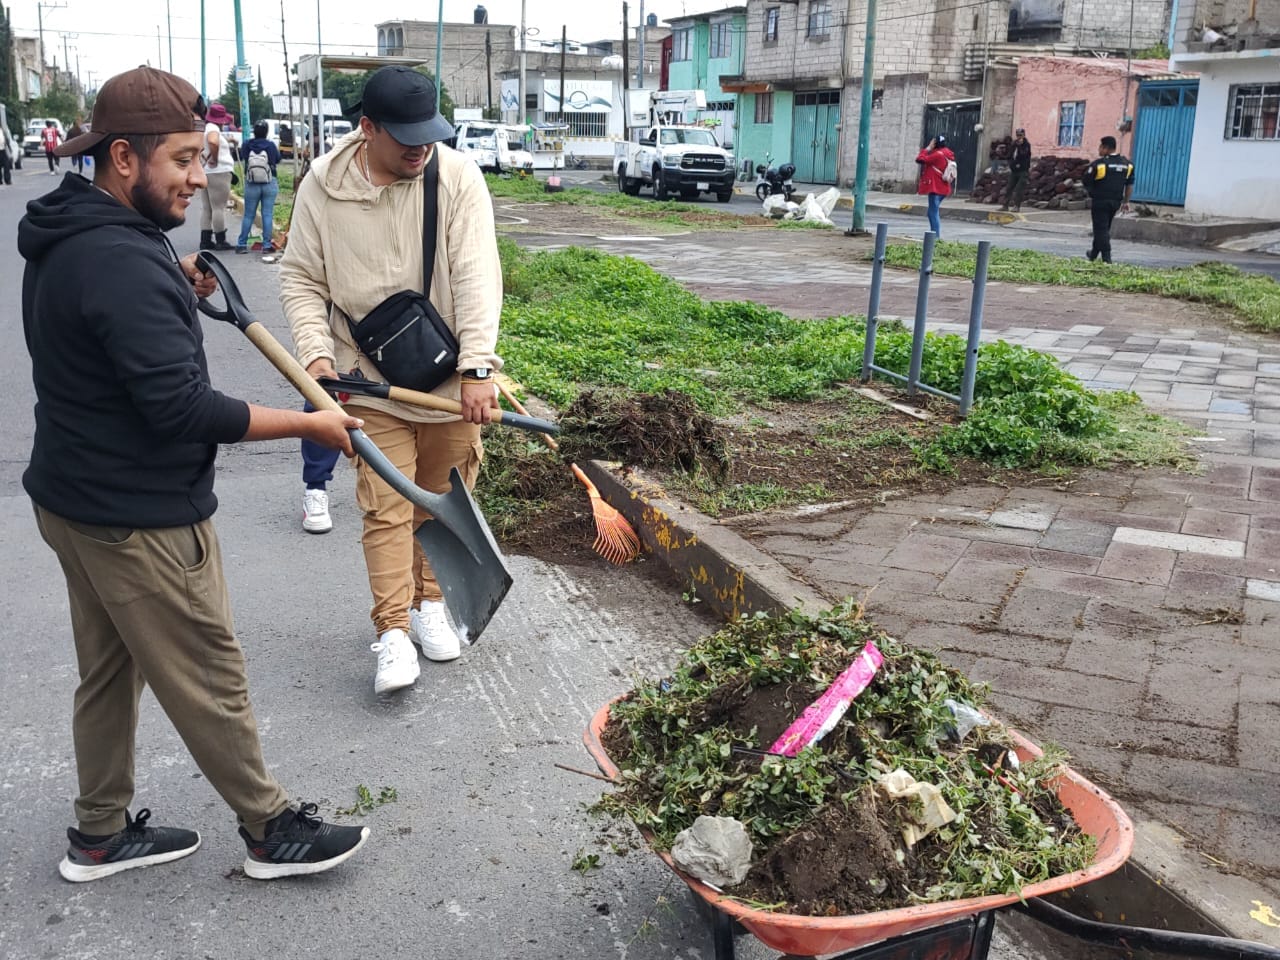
(684,160)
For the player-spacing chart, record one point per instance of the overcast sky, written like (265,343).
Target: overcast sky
(112,36)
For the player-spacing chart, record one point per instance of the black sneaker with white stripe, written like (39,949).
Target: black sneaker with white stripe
(299,842)
(137,845)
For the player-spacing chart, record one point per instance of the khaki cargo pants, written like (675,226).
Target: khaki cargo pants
(150,606)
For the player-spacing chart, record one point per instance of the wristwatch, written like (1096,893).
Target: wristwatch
(477,373)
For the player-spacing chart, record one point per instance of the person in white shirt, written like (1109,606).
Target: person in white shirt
(219,160)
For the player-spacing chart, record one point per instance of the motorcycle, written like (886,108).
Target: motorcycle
(771,180)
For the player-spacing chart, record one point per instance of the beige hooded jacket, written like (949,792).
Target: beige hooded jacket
(352,245)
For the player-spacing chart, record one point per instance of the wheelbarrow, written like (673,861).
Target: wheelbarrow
(952,929)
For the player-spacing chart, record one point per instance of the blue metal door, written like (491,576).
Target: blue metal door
(815,136)
(1162,143)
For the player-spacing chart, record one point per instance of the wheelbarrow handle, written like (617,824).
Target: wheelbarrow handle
(347,383)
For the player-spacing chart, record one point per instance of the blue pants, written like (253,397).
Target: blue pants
(317,461)
(258,195)
(935,218)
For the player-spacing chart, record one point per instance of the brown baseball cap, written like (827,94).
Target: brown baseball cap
(140,101)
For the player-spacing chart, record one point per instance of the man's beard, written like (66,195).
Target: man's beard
(154,207)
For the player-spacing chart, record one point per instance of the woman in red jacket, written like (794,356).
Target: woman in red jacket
(933,160)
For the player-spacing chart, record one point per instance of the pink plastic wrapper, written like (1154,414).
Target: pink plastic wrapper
(821,716)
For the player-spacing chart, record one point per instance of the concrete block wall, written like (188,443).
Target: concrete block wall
(924,35)
(793,60)
(1093,23)
(897,120)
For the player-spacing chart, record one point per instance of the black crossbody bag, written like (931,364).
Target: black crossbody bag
(404,335)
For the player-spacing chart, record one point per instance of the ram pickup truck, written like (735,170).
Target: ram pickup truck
(683,160)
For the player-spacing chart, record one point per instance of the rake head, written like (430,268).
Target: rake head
(616,540)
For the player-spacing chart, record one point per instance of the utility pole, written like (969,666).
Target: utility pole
(241,67)
(439,49)
(319,128)
(864,123)
(203,91)
(626,59)
(564,42)
(288,85)
(168,18)
(640,65)
(160,48)
(488,70)
(524,42)
(40,9)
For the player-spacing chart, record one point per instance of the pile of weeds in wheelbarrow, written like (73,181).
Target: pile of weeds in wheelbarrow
(826,841)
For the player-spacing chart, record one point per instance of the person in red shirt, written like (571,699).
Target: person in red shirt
(935,160)
(50,137)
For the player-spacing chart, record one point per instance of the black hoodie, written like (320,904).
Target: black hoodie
(127,425)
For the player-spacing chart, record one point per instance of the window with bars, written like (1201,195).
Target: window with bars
(764,108)
(682,44)
(1252,112)
(771,24)
(819,18)
(721,41)
(1070,123)
(582,125)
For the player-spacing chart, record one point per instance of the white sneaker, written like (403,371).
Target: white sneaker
(315,512)
(397,662)
(431,630)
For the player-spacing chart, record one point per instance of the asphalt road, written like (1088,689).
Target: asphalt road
(1065,240)
(472,860)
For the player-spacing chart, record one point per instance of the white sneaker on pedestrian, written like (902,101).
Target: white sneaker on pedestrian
(315,512)
(397,662)
(431,630)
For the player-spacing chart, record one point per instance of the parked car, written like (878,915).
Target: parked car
(495,147)
(32,145)
(679,159)
(281,133)
(335,130)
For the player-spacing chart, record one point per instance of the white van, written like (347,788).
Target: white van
(335,130)
(496,148)
(281,133)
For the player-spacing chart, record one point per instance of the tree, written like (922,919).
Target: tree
(259,103)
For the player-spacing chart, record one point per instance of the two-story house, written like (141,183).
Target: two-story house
(706,48)
(1234,45)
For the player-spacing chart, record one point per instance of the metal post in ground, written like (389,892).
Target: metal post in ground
(922,313)
(873,305)
(975,327)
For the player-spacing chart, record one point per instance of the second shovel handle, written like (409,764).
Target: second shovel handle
(516,405)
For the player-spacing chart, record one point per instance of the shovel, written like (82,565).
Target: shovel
(456,539)
(346,383)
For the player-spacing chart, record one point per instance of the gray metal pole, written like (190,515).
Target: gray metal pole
(873,305)
(864,122)
(922,313)
(640,60)
(975,327)
(318,131)
(204,92)
(439,49)
(524,40)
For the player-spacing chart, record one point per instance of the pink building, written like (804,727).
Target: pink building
(1068,104)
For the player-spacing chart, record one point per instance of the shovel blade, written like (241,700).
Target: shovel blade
(464,558)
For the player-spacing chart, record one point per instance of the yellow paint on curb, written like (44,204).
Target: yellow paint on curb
(1264,915)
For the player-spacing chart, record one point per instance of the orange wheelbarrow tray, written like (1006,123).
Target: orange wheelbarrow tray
(802,936)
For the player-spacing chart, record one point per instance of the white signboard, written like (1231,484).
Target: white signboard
(581,96)
(511,95)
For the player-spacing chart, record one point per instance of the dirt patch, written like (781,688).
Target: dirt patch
(842,862)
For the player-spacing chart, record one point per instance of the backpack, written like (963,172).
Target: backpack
(950,174)
(257,168)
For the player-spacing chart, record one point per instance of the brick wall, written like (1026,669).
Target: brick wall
(897,117)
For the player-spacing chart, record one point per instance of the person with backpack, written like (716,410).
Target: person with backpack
(937,178)
(50,137)
(260,157)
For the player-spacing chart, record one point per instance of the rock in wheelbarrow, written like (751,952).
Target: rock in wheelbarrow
(716,850)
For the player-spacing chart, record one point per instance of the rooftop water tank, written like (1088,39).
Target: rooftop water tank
(481,15)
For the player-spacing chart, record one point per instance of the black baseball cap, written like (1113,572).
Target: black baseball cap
(403,101)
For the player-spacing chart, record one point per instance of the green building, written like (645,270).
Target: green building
(705,48)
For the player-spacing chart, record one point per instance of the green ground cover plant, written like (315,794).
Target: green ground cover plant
(533,190)
(681,742)
(1254,298)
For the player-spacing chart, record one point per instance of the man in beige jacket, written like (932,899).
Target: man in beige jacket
(356,239)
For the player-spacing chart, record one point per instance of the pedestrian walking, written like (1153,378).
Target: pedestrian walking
(377,213)
(1109,181)
(1019,171)
(77,129)
(219,162)
(8,154)
(937,177)
(127,426)
(50,137)
(260,157)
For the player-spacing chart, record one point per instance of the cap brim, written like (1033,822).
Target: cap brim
(77,145)
(420,134)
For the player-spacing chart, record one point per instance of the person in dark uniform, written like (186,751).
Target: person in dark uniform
(1019,170)
(1109,181)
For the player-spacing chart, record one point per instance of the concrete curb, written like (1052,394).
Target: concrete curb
(1166,884)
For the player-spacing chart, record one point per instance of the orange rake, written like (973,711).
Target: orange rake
(616,540)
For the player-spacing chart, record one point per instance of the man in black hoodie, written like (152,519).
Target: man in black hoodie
(121,476)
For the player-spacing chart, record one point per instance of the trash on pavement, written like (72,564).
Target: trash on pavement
(716,850)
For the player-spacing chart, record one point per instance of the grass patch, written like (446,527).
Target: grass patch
(1252,297)
(531,190)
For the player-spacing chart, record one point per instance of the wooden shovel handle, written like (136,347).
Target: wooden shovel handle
(285,362)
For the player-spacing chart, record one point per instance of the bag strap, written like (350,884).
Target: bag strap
(430,214)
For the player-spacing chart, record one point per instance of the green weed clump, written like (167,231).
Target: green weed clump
(1253,297)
